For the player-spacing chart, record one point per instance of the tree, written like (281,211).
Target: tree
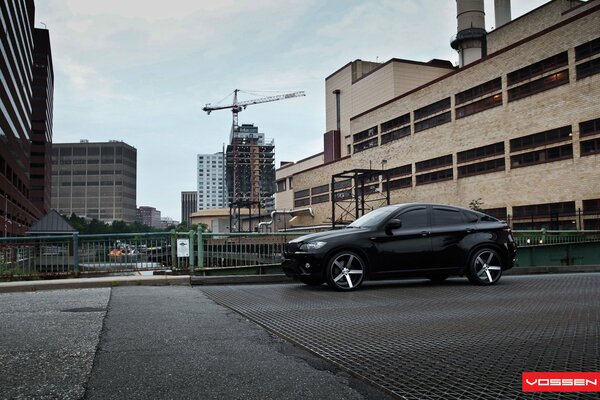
(476,204)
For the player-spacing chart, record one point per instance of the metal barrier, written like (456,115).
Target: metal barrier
(183,252)
(546,238)
(186,252)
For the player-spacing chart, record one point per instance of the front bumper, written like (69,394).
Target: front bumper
(300,264)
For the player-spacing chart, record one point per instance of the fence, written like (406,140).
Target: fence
(189,252)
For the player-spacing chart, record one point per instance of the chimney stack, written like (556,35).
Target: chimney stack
(470,37)
(502,12)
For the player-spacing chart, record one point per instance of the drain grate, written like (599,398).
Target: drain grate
(420,340)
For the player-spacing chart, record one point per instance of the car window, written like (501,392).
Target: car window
(446,216)
(416,218)
(373,218)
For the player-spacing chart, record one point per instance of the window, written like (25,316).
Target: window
(319,189)
(590,147)
(414,219)
(539,85)
(399,171)
(445,217)
(433,163)
(302,193)
(280,186)
(395,135)
(479,168)
(478,91)
(395,123)
(431,109)
(588,128)
(398,183)
(544,210)
(320,199)
(433,122)
(538,68)
(302,202)
(437,176)
(499,213)
(480,105)
(588,68)
(357,137)
(591,206)
(542,156)
(481,152)
(587,49)
(366,145)
(541,138)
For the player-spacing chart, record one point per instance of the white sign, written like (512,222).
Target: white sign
(183,247)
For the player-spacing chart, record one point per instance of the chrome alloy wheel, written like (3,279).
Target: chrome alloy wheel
(345,271)
(486,268)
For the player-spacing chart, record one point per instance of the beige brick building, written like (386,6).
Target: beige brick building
(518,129)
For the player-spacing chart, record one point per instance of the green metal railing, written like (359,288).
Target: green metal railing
(189,252)
(184,252)
(546,238)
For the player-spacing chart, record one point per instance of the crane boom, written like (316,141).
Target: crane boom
(235,194)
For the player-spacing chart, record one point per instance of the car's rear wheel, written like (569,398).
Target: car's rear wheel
(311,280)
(345,271)
(485,267)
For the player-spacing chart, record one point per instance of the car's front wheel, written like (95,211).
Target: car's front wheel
(485,267)
(345,271)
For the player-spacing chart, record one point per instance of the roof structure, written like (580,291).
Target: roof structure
(51,224)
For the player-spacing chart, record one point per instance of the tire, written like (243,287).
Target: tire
(311,280)
(345,271)
(485,267)
(438,277)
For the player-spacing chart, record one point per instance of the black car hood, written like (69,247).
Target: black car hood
(327,235)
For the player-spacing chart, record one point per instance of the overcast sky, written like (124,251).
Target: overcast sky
(140,71)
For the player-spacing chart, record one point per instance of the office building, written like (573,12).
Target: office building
(515,127)
(41,122)
(189,205)
(211,181)
(95,180)
(17,209)
(149,216)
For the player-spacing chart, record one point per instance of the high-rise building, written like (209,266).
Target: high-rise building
(251,177)
(95,180)
(41,122)
(189,205)
(148,216)
(17,210)
(211,181)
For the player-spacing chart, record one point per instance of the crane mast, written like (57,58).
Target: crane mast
(237,198)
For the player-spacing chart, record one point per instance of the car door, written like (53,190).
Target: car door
(405,248)
(448,229)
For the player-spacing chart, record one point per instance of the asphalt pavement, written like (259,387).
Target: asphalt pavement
(145,342)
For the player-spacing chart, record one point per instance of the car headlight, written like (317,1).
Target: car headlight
(309,246)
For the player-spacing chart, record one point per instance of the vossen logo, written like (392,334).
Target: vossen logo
(560,381)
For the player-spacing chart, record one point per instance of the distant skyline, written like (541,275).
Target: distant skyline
(141,71)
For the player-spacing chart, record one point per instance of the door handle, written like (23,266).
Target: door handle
(470,230)
(425,233)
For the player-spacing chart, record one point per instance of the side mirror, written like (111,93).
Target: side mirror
(392,224)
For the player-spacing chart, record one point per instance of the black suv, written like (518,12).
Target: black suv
(404,240)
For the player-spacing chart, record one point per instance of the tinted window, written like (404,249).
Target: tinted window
(445,217)
(414,219)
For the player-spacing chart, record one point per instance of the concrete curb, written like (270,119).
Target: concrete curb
(186,280)
(86,283)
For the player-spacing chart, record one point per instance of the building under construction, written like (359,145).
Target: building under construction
(250,168)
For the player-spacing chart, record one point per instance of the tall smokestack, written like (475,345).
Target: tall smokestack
(470,37)
(502,12)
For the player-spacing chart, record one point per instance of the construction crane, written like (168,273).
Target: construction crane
(236,199)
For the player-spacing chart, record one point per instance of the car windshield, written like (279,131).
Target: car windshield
(373,218)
